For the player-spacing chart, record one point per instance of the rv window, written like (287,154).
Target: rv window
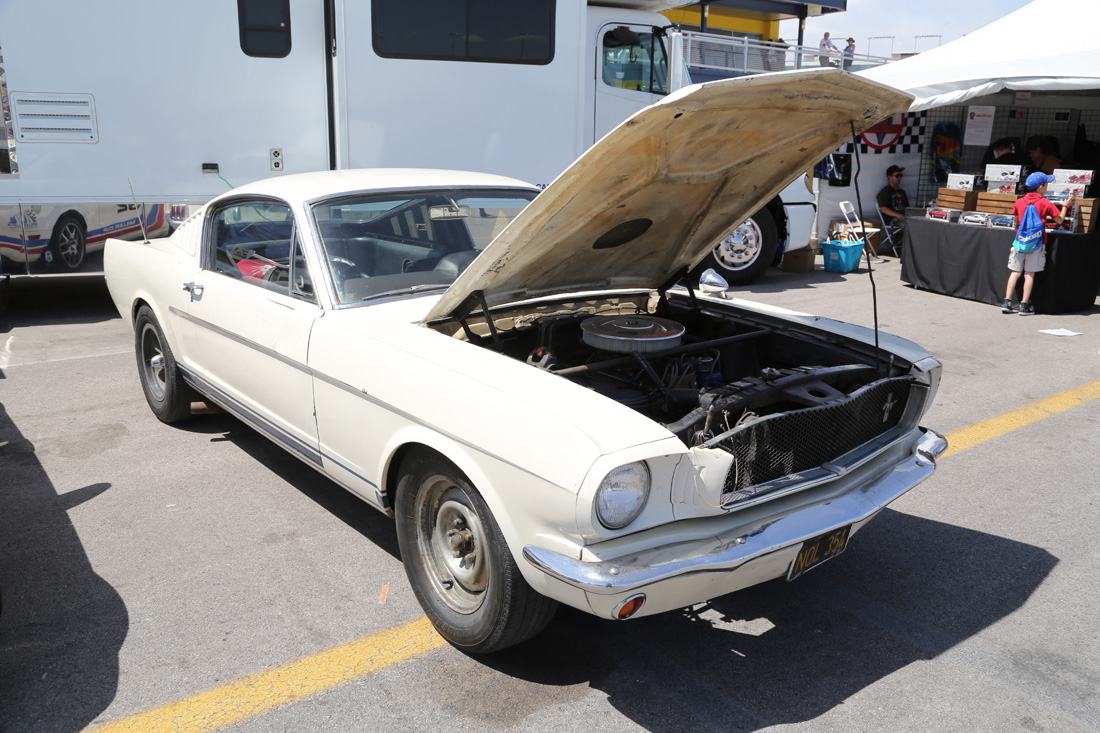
(500,31)
(634,61)
(265,27)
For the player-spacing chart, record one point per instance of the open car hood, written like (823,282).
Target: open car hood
(663,188)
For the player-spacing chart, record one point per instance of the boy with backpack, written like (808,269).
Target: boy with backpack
(1028,253)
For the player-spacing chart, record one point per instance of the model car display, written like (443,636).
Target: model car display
(975,218)
(516,378)
(995,172)
(1005,221)
(944,214)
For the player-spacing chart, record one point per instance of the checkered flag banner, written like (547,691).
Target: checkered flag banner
(902,133)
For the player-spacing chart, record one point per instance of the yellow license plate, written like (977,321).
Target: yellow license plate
(819,549)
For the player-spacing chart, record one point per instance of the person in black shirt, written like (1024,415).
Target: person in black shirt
(1003,154)
(892,200)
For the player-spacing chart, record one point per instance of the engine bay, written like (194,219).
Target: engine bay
(699,372)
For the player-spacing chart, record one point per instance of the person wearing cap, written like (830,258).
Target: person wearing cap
(892,201)
(1030,263)
(848,54)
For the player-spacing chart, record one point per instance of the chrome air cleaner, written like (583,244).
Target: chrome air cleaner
(626,333)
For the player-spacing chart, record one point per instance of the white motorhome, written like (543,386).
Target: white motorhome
(183,105)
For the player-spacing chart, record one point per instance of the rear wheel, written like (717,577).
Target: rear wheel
(746,252)
(69,243)
(457,561)
(168,395)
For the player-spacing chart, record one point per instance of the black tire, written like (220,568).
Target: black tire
(69,243)
(477,600)
(169,397)
(746,252)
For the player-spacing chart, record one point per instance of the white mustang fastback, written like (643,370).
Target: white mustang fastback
(515,377)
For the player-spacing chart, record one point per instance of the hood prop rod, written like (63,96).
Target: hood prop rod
(466,308)
(866,249)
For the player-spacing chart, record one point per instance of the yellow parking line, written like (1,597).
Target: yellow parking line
(995,427)
(258,693)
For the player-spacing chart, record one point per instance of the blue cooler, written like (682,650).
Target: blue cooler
(842,256)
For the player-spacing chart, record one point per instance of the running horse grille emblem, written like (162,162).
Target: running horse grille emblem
(888,407)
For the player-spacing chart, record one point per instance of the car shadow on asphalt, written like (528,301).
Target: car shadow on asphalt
(907,589)
(338,501)
(62,625)
(49,300)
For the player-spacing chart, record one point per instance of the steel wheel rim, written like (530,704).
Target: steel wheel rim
(70,245)
(152,362)
(460,581)
(741,247)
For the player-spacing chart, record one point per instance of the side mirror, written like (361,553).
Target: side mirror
(711,283)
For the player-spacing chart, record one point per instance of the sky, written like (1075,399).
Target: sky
(903,19)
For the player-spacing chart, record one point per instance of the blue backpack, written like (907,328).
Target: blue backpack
(1030,235)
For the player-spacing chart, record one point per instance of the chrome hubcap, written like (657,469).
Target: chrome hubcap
(741,247)
(153,357)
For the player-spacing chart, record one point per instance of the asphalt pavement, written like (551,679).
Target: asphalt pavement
(142,563)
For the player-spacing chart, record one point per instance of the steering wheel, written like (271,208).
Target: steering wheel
(345,269)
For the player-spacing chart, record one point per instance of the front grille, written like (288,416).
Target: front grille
(800,440)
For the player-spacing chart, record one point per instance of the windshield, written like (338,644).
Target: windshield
(402,242)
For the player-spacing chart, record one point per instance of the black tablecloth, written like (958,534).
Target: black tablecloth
(972,262)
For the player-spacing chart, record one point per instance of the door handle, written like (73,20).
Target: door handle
(194,290)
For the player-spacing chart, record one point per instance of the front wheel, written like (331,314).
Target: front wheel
(746,252)
(168,395)
(458,564)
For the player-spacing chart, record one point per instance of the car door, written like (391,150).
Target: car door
(252,309)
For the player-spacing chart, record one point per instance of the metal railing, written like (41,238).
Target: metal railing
(730,56)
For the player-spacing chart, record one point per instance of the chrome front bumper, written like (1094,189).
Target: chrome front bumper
(728,552)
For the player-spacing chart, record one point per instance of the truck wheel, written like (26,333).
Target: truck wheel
(746,252)
(458,564)
(169,397)
(69,243)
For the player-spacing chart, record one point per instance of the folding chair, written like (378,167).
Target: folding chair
(856,230)
(890,229)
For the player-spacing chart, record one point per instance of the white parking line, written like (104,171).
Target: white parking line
(5,355)
(8,359)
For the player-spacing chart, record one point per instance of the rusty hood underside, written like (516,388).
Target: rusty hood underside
(663,188)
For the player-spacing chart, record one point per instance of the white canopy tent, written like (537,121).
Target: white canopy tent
(1047,45)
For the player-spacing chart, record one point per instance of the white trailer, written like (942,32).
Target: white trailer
(181,105)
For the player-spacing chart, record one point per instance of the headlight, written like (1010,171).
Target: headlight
(622,495)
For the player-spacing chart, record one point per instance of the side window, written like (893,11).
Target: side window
(498,31)
(264,27)
(251,241)
(635,61)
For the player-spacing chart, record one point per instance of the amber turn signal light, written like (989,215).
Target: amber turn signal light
(630,606)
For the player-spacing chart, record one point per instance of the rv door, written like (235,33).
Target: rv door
(632,72)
